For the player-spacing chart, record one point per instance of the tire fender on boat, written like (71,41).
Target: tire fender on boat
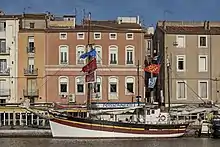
(162,117)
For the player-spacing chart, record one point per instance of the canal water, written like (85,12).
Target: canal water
(166,142)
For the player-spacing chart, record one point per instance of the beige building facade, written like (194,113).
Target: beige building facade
(192,51)
(31,58)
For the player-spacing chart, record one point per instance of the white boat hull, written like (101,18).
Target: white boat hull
(65,131)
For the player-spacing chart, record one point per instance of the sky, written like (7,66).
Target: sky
(150,11)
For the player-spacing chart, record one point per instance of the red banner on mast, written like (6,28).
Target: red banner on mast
(91,66)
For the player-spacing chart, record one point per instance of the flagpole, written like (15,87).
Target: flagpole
(88,60)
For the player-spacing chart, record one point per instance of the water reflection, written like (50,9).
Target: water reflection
(51,142)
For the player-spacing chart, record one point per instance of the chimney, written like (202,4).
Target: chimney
(208,25)
(205,25)
(164,25)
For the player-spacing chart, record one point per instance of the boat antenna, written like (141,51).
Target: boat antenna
(89,46)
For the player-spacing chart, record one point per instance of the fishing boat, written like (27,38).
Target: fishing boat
(151,123)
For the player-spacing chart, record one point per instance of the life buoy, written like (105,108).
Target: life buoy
(162,117)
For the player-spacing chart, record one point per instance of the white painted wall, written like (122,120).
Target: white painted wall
(12,28)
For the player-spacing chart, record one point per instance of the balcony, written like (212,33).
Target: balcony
(31,51)
(31,72)
(5,92)
(4,51)
(31,92)
(5,72)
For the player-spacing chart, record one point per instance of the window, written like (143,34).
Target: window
(129,36)
(98,88)
(30,65)
(149,46)
(129,55)
(98,49)
(113,54)
(64,49)
(80,88)
(113,36)
(32,25)
(80,49)
(63,36)
(181,90)
(30,48)
(2,26)
(203,66)
(203,89)
(180,40)
(63,85)
(180,63)
(202,41)
(129,85)
(2,46)
(97,36)
(3,66)
(113,88)
(81,36)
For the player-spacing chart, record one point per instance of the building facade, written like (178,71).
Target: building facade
(191,49)
(9,27)
(119,45)
(31,57)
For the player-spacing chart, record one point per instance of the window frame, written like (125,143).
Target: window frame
(82,62)
(110,37)
(117,88)
(59,84)
(199,45)
(94,35)
(132,48)
(177,91)
(77,35)
(184,43)
(60,36)
(98,59)
(113,49)
(126,90)
(132,38)
(99,93)
(206,57)
(177,63)
(76,83)
(67,56)
(199,88)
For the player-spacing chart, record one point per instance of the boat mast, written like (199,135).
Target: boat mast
(168,79)
(138,82)
(89,46)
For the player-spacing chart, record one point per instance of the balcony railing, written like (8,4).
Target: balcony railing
(31,92)
(5,92)
(31,72)
(4,51)
(31,50)
(5,72)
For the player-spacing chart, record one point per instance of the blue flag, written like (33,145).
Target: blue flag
(152,82)
(91,53)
